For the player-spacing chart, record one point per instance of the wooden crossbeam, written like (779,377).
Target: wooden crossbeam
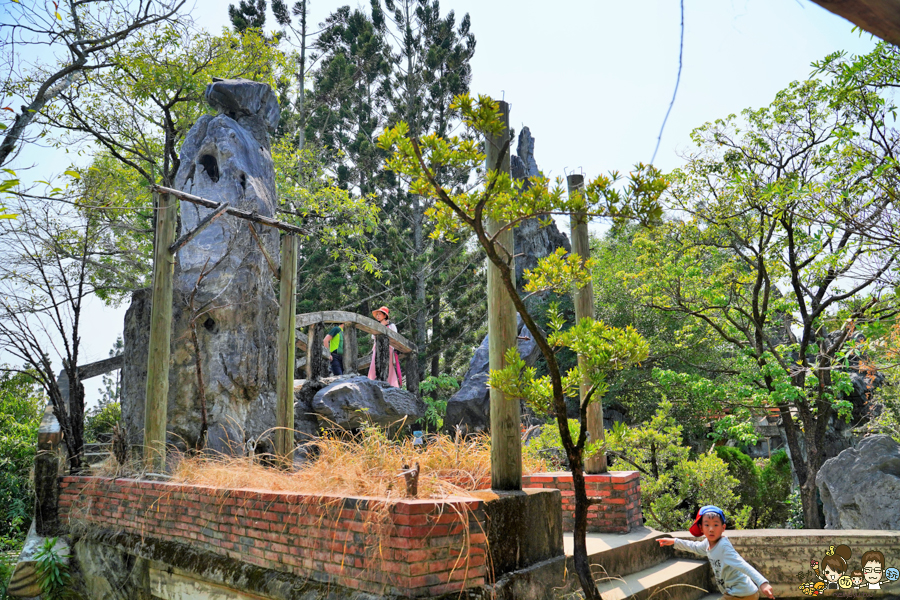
(234,212)
(207,220)
(367,324)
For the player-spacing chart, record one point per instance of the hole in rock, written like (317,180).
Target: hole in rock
(243,182)
(210,325)
(210,166)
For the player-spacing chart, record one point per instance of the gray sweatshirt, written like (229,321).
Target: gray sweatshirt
(733,574)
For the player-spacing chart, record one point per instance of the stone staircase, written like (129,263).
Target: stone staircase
(633,566)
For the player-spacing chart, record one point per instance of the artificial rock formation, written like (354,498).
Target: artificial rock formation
(350,402)
(224,287)
(860,488)
(469,407)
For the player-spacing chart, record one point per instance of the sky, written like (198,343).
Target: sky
(592,79)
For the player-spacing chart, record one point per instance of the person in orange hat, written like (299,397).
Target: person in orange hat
(395,377)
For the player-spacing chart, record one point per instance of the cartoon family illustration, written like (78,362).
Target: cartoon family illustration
(835,572)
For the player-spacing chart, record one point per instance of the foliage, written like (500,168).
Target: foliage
(674,483)
(548,446)
(436,392)
(748,490)
(765,200)
(21,409)
(99,422)
(775,481)
(497,198)
(52,571)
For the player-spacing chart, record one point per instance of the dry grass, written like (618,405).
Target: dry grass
(367,464)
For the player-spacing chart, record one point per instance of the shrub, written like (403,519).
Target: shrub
(99,422)
(741,467)
(21,407)
(775,482)
(673,483)
(547,445)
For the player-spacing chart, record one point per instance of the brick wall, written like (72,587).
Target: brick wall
(403,547)
(620,492)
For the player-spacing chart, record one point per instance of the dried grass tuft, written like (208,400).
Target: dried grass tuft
(365,464)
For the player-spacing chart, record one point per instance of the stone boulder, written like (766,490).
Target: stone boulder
(224,289)
(860,488)
(470,406)
(352,401)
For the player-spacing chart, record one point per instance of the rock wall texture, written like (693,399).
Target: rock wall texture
(860,487)
(224,288)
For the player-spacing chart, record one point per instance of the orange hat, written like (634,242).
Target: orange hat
(383,309)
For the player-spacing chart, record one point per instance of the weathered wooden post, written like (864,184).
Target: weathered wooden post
(157,397)
(506,441)
(284,386)
(351,348)
(584,307)
(316,363)
(382,350)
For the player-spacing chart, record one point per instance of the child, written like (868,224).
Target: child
(834,565)
(735,577)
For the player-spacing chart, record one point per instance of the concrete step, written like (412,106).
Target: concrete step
(675,579)
(618,555)
(716,596)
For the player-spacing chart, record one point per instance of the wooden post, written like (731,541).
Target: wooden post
(382,350)
(584,308)
(316,364)
(157,397)
(351,348)
(506,441)
(411,372)
(287,309)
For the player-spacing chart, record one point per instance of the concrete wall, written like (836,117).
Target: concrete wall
(781,555)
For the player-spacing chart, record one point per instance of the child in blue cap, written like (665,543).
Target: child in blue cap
(737,580)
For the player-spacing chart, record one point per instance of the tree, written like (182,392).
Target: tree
(764,257)
(498,198)
(44,279)
(678,343)
(82,35)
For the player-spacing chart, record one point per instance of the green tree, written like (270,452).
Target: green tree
(674,480)
(762,255)
(498,198)
(21,408)
(82,34)
(677,343)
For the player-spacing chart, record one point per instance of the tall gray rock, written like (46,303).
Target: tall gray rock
(469,407)
(860,487)
(223,284)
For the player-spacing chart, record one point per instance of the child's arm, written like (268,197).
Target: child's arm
(695,547)
(737,561)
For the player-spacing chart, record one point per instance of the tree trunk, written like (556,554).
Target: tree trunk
(582,561)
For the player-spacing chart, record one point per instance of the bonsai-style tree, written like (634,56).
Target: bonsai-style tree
(495,196)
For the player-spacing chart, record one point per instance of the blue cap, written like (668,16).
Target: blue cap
(695,529)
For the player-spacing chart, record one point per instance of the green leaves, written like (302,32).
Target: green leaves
(53,571)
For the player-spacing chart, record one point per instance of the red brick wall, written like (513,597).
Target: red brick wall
(404,547)
(620,492)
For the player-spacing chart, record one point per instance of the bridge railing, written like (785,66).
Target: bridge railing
(317,360)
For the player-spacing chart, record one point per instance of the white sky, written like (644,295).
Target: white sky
(593,79)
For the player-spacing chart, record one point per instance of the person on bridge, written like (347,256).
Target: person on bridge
(334,343)
(395,377)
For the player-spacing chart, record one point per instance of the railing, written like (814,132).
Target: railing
(317,362)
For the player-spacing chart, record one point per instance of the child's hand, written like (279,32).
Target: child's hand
(767,590)
(666,541)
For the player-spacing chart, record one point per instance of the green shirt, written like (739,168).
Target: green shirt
(337,340)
